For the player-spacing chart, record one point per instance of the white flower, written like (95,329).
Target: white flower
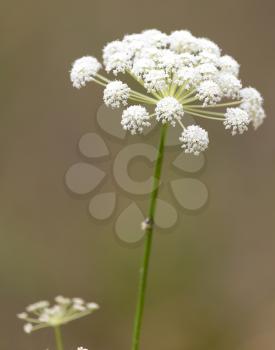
(194,139)
(186,59)
(83,70)
(37,306)
(62,300)
(119,62)
(149,52)
(251,96)
(177,73)
(228,64)
(168,61)
(208,46)
(155,80)
(92,306)
(81,348)
(252,102)
(188,76)
(169,110)
(230,85)
(142,66)
(257,117)
(154,37)
(42,315)
(28,327)
(209,92)
(183,41)
(116,94)
(237,120)
(207,71)
(134,119)
(112,48)
(207,57)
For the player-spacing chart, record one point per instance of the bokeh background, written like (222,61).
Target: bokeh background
(212,280)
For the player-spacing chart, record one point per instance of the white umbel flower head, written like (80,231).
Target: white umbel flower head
(154,37)
(134,119)
(230,85)
(81,348)
(142,66)
(42,315)
(194,139)
(183,41)
(228,64)
(119,62)
(252,102)
(169,110)
(237,120)
(83,70)
(209,92)
(207,45)
(177,73)
(207,71)
(116,94)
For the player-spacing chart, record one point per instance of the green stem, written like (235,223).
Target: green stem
(58,338)
(148,242)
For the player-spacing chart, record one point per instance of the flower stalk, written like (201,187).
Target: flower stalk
(58,338)
(148,242)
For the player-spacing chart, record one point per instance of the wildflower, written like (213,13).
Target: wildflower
(194,139)
(252,103)
(83,70)
(116,94)
(209,92)
(228,64)
(42,315)
(134,119)
(179,74)
(237,120)
(168,110)
(229,85)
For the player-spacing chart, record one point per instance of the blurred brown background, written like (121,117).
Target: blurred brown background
(212,281)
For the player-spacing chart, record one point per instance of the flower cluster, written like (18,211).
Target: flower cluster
(179,74)
(42,315)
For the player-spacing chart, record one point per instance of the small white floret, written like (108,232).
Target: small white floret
(228,64)
(119,62)
(194,139)
(155,80)
(183,41)
(209,92)
(83,70)
(252,102)
(28,328)
(230,85)
(116,94)
(135,119)
(237,120)
(169,110)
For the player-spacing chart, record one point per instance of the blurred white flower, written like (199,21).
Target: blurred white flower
(42,315)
